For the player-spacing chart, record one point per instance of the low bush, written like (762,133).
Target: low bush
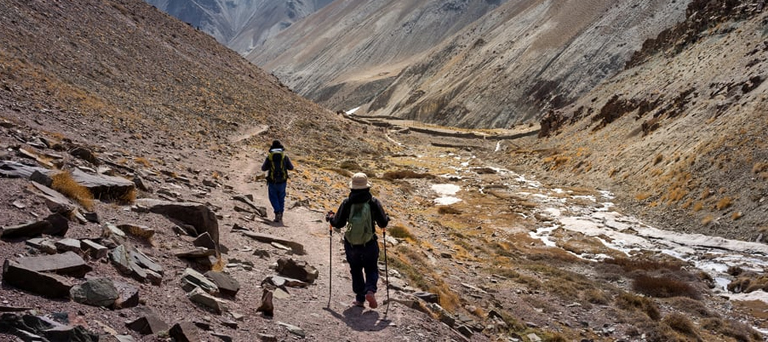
(663,287)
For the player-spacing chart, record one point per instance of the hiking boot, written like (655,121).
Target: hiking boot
(371,298)
(358,304)
(278,217)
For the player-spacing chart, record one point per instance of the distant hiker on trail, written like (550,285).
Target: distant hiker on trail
(278,164)
(358,213)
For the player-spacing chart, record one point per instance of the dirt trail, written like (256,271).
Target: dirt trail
(308,308)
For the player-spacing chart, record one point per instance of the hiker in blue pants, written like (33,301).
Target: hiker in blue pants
(359,212)
(278,164)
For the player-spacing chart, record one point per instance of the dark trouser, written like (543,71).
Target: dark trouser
(277,196)
(363,265)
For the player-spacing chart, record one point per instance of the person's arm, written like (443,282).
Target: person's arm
(339,219)
(288,164)
(379,215)
(265,166)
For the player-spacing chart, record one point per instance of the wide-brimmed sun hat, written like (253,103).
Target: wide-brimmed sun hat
(359,181)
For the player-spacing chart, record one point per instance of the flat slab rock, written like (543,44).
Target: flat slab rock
(44,284)
(68,263)
(296,247)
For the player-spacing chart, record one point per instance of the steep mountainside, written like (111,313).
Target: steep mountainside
(349,51)
(241,25)
(682,131)
(507,64)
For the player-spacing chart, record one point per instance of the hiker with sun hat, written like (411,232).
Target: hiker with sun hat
(359,213)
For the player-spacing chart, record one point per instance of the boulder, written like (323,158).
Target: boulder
(41,178)
(95,292)
(44,284)
(141,184)
(137,230)
(45,245)
(68,263)
(196,253)
(128,295)
(12,169)
(68,245)
(54,224)
(36,328)
(85,154)
(102,186)
(227,285)
(184,332)
(95,250)
(294,329)
(197,215)
(192,279)
(427,297)
(296,247)
(282,282)
(297,269)
(144,261)
(147,324)
(267,307)
(262,211)
(56,201)
(123,262)
(203,299)
(204,240)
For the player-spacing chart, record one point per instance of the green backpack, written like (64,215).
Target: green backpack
(359,226)
(277,172)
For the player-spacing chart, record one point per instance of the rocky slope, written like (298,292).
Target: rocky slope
(681,132)
(498,64)
(240,25)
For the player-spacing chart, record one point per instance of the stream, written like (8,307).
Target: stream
(596,216)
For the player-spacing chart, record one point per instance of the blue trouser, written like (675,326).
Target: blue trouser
(277,196)
(363,265)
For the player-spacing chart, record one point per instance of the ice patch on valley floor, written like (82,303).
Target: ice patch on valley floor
(446,193)
(352,111)
(711,254)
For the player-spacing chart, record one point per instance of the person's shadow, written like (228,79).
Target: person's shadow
(358,320)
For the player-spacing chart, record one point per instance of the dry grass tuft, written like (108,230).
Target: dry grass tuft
(707,220)
(737,215)
(629,265)
(731,328)
(448,210)
(596,296)
(698,206)
(403,174)
(724,203)
(400,232)
(219,265)
(142,161)
(643,196)
(681,324)
(632,302)
(63,183)
(760,167)
(658,159)
(663,287)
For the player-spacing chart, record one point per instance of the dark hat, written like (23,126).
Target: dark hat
(276,144)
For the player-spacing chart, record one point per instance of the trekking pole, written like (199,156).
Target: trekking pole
(330,264)
(330,259)
(386,271)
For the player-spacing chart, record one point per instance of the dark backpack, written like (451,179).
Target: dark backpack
(277,172)
(359,225)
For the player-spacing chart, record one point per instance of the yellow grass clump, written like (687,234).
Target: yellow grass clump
(724,203)
(63,183)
